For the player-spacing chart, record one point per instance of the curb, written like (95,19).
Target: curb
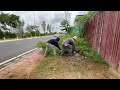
(9,60)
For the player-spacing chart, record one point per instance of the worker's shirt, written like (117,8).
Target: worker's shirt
(68,42)
(54,42)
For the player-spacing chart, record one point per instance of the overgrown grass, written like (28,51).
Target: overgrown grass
(88,52)
(81,45)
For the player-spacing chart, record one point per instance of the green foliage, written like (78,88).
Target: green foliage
(10,35)
(29,28)
(84,48)
(41,45)
(69,30)
(83,20)
(10,20)
(28,34)
(32,33)
(49,28)
(14,21)
(74,30)
(64,23)
(38,33)
(1,34)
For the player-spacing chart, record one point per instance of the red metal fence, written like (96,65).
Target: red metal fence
(103,34)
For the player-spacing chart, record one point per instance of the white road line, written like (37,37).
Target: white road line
(6,66)
(17,56)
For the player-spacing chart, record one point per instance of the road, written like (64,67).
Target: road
(12,49)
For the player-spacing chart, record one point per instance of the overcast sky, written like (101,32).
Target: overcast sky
(51,17)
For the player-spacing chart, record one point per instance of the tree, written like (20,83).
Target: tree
(30,28)
(44,26)
(20,28)
(1,34)
(52,29)
(65,24)
(9,20)
(48,27)
(37,33)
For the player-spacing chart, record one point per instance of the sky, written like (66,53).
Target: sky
(51,17)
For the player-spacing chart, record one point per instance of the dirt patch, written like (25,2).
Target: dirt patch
(72,68)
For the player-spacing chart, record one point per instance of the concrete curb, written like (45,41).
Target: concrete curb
(9,60)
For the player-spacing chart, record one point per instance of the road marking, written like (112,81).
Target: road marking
(17,56)
(6,66)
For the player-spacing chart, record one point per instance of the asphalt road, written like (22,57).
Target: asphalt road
(12,49)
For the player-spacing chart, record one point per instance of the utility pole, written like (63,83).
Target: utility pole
(67,17)
(34,21)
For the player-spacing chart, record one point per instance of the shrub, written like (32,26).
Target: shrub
(10,35)
(32,33)
(28,34)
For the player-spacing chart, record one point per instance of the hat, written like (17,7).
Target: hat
(75,37)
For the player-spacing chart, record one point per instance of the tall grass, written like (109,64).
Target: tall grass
(80,45)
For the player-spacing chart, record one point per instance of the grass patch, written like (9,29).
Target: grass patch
(81,45)
(68,68)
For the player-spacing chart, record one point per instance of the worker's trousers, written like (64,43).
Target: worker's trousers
(66,49)
(48,45)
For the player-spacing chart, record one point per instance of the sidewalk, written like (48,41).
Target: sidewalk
(23,67)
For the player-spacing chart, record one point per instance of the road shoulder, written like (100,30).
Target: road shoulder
(23,67)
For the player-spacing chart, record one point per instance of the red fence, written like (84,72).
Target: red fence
(103,34)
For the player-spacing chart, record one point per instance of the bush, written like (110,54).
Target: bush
(32,33)
(41,45)
(83,20)
(28,34)
(13,35)
(69,30)
(10,35)
(38,33)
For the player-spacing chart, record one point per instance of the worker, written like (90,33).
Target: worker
(68,46)
(52,43)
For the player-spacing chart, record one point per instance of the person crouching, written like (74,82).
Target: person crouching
(52,43)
